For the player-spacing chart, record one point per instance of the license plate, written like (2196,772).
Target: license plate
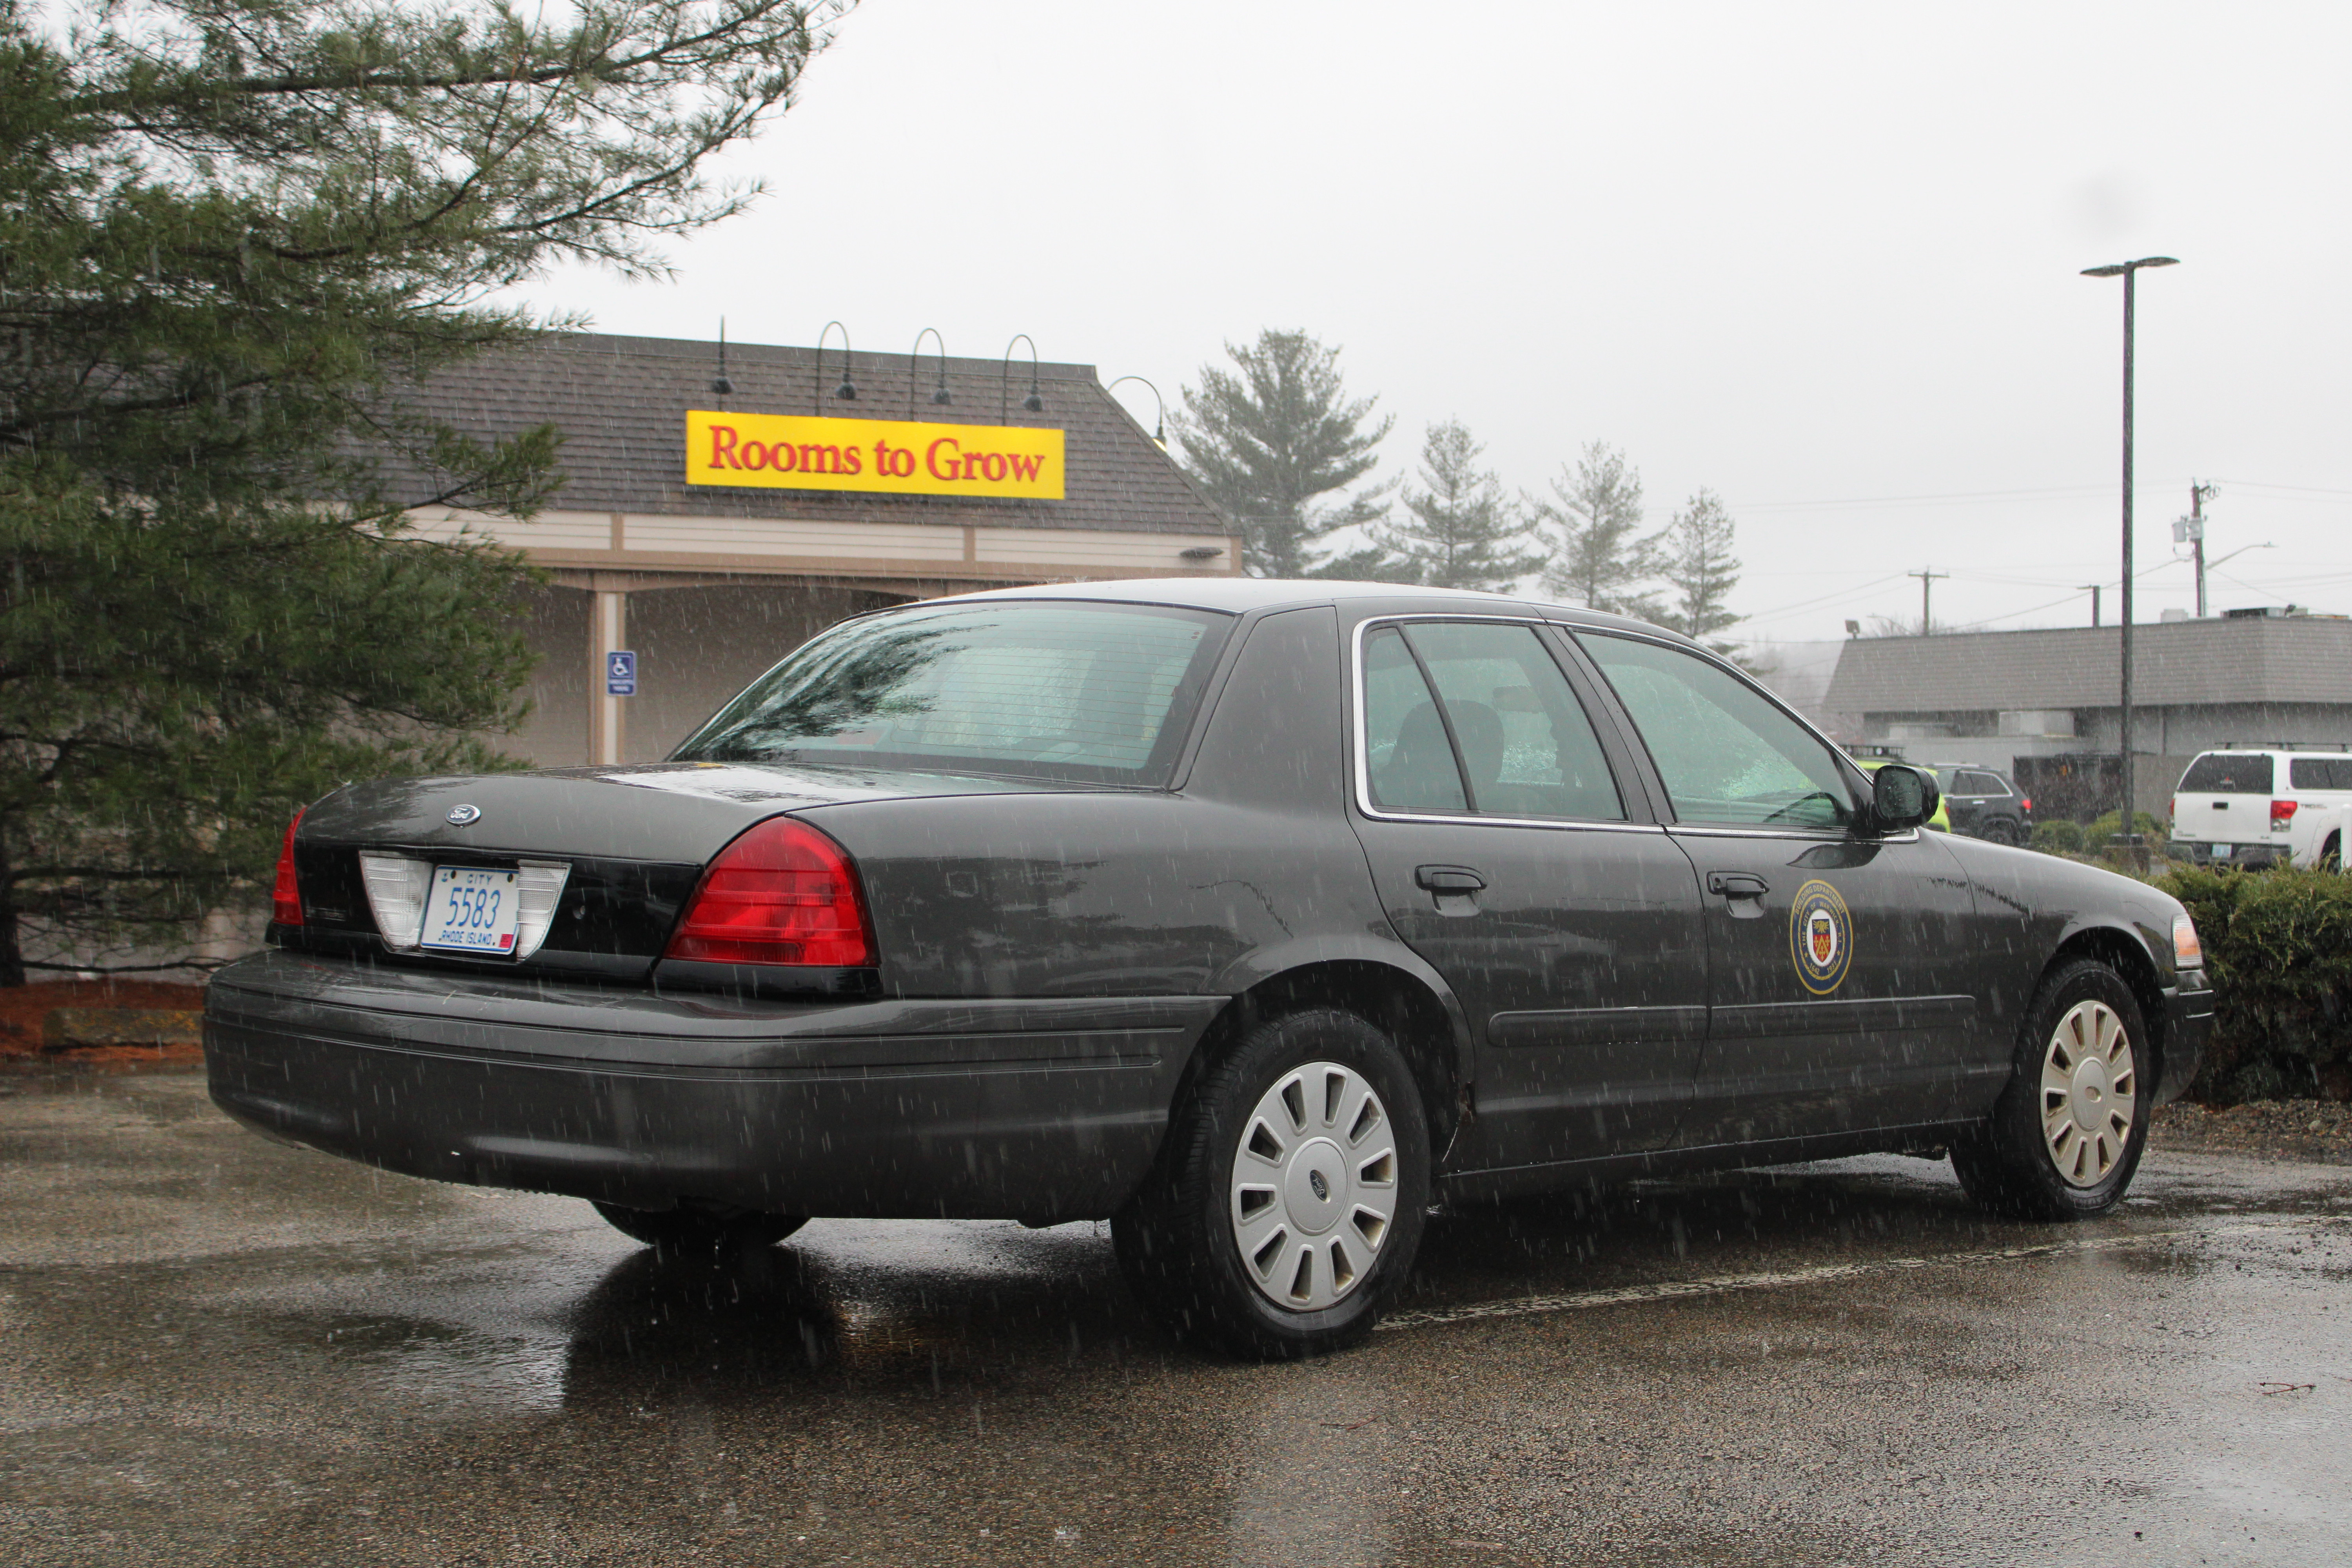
(2221,852)
(472,910)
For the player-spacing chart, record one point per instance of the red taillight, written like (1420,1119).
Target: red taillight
(2282,810)
(2025,803)
(286,894)
(782,893)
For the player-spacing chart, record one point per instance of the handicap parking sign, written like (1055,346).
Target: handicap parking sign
(620,673)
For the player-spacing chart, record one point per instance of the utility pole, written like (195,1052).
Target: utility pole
(1926,583)
(2191,529)
(2129,272)
(2095,588)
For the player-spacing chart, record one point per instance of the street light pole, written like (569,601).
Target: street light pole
(2129,272)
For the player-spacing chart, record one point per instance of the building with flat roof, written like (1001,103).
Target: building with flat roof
(2008,700)
(707,534)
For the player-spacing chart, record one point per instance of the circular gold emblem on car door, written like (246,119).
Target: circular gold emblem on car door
(1821,937)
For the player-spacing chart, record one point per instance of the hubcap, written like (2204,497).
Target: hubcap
(2090,1090)
(1315,1186)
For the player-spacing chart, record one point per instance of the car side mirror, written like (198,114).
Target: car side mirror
(1902,796)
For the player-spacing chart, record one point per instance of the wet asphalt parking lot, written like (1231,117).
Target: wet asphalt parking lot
(216,1350)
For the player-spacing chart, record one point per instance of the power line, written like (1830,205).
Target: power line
(2051,492)
(1924,499)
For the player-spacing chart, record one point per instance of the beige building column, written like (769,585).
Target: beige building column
(608,626)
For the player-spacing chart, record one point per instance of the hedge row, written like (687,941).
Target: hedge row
(2278,946)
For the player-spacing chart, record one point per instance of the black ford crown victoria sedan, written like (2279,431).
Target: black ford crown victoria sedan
(1255,916)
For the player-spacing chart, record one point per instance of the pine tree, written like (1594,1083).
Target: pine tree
(1271,438)
(1698,562)
(236,235)
(1460,531)
(1594,518)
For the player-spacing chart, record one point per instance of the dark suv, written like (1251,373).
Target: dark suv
(1985,803)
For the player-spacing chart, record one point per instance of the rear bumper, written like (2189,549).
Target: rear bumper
(2200,851)
(2187,1024)
(1031,1110)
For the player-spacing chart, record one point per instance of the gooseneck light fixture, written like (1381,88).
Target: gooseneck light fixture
(1036,401)
(914,356)
(2129,272)
(720,383)
(847,390)
(1160,429)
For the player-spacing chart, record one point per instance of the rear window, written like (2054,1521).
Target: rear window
(1088,692)
(2228,773)
(2320,772)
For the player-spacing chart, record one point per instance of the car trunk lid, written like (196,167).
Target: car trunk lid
(623,846)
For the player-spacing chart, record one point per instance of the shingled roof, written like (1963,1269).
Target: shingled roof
(2175,663)
(621,403)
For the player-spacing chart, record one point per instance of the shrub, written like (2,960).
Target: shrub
(2095,837)
(2278,948)
(2061,837)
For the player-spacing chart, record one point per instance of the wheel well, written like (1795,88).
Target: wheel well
(1390,999)
(2119,952)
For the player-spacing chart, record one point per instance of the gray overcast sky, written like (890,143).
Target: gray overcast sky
(1819,258)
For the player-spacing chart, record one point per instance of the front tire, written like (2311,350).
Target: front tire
(686,1230)
(2065,1137)
(1289,1201)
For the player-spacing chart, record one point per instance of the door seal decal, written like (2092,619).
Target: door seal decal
(1821,937)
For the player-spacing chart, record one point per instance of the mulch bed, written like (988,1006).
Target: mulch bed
(2313,1131)
(101,1023)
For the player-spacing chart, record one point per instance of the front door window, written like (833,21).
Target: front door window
(1725,753)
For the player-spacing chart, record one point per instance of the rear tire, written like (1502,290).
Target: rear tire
(684,1230)
(2331,854)
(1289,1201)
(2065,1137)
(2001,830)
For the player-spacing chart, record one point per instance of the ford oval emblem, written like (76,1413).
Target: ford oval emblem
(462,815)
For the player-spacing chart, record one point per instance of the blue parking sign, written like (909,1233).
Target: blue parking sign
(620,673)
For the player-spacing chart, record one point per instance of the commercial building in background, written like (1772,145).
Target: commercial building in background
(712,520)
(2043,705)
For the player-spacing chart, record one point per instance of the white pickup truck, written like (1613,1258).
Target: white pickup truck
(2261,807)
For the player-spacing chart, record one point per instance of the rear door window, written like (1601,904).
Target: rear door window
(1408,761)
(2320,772)
(1516,740)
(2228,773)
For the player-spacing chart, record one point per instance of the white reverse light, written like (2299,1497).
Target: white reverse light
(396,891)
(542,886)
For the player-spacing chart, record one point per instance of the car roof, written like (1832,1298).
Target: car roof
(1239,595)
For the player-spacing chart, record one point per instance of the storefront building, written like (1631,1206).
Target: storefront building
(711,520)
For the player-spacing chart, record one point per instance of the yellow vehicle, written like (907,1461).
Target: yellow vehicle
(1942,821)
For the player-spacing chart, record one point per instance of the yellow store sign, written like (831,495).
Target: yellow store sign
(800,452)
